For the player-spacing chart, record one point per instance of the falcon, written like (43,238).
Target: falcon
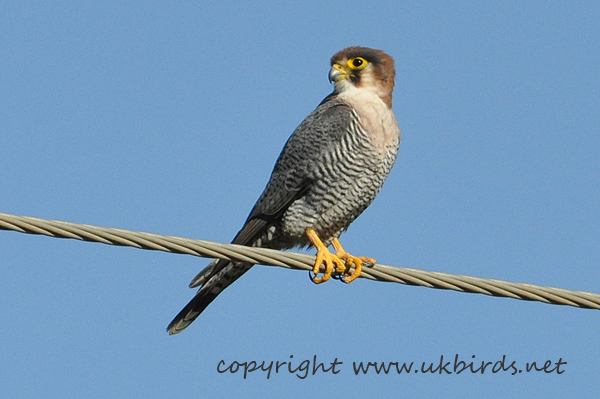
(328,173)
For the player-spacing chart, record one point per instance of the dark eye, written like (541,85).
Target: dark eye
(357,63)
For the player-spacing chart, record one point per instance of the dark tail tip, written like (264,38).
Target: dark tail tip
(190,312)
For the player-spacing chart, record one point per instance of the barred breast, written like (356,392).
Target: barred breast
(345,175)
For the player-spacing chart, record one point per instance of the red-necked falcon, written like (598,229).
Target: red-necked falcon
(328,173)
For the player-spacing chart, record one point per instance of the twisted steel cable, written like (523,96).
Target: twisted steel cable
(294,260)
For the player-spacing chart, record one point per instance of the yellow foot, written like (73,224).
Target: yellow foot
(323,256)
(342,261)
(350,260)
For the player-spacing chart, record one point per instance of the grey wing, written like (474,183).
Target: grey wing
(295,168)
(292,176)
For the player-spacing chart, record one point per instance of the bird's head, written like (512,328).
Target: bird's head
(363,68)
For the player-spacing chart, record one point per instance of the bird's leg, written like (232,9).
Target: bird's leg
(323,256)
(350,260)
(341,261)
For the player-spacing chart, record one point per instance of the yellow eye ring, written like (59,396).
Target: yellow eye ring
(357,63)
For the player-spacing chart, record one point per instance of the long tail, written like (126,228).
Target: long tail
(213,286)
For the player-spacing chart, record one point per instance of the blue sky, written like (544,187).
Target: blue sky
(168,118)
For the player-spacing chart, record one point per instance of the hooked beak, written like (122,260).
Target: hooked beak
(337,73)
